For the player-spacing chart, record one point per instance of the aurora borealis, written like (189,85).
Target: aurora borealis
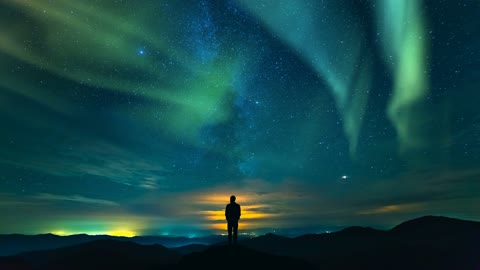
(143,117)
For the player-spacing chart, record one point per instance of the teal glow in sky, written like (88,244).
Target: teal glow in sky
(134,118)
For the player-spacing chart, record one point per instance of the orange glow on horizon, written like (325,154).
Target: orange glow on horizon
(252,215)
(241,226)
(216,215)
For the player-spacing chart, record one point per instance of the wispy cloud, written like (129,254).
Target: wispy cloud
(73,198)
(264,204)
(95,158)
(388,209)
(268,205)
(293,202)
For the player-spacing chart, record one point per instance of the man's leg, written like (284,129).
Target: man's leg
(229,228)
(235,232)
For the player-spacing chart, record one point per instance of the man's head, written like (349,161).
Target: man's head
(232,198)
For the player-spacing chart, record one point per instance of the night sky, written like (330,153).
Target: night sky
(143,117)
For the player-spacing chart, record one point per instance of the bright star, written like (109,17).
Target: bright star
(344,177)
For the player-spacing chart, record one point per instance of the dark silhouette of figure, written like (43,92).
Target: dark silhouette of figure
(232,213)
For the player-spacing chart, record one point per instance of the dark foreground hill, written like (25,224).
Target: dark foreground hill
(240,257)
(119,255)
(424,243)
(99,254)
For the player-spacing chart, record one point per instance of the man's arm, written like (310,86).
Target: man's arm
(239,211)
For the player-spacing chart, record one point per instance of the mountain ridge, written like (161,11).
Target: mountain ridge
(420,243)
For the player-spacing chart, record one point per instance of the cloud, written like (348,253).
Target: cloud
(93,157)
(387,209)
(73,198)
(293,202)
(264,204)
(9,201)
(287,204)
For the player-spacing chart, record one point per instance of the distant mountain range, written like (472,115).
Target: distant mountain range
(429,242)
(11,244)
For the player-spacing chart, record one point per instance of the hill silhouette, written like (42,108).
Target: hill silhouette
(429,242)
(12,244)
(427,225)
(425,243)
(112,254)
(102,254)
(240,257)
(190,248)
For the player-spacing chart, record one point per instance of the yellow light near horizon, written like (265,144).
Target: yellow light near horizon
(60,233)
(120,232)
(216,215)
(241,226)
(252,216)
(124,233)
(250,219)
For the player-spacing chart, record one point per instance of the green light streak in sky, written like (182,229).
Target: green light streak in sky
(298,23)
(403,28)
(97,44)
(93,45)
(354,113)
(203,100)
(76,38)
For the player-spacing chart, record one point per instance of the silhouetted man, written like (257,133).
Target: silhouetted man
(232,213)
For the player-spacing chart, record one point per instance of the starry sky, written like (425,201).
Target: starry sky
(143,117)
